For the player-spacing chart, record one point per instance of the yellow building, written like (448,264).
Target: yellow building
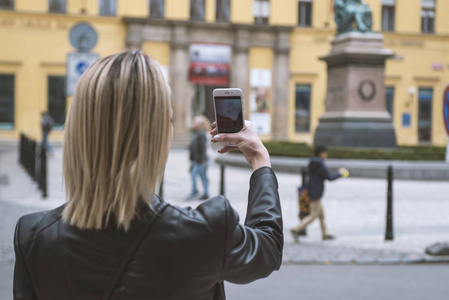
(269,49)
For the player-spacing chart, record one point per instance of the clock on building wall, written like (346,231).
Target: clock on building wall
(83,37)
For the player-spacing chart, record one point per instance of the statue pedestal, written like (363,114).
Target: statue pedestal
(356,114)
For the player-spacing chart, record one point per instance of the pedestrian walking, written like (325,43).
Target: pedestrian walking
(115,237)
(318,172)
(47,125)
(199,158)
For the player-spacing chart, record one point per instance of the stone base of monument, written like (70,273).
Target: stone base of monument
(356,114)
(356,130)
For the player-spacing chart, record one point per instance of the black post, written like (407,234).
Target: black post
(26,153)
(389,228)
(21,149)
(222,179)
(161,188)
(33,159)
(43,171)
(28,157)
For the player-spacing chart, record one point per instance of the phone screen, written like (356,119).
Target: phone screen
(229,114)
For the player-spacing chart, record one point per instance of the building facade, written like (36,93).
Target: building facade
(269,49)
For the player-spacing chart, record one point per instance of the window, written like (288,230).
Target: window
(388,12)
(428,16)
(6,101)
(6,4)
(305,13)
(197,10)
(157,9)
(56,6)
(107,7)
(57,99)
(223,11)
(302,107)
(390,99)
(261,11)
(425,97)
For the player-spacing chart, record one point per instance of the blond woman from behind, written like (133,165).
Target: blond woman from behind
(115,237)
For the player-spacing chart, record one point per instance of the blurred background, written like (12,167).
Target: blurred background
(378,96)
(202,45)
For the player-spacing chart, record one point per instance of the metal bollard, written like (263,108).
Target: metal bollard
(43,172)
(21,149)
(389,228)
(222,179)
(26,153)
(28,157)
(33,159)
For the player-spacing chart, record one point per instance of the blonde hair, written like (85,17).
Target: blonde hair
(116,140)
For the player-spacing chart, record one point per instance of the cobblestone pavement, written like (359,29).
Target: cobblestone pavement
(355,211)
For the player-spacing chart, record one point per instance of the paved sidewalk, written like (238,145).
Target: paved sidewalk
(355,211)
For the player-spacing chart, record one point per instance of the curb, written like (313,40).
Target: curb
(379,262)
(408,170)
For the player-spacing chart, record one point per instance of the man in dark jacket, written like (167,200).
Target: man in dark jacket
(318,172)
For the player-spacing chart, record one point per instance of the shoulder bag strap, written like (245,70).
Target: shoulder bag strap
(130,254)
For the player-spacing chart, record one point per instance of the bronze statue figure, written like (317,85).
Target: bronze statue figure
(352,15)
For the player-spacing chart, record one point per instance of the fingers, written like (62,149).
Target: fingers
(231,138)
(218,138)
(214,131)
(226,149)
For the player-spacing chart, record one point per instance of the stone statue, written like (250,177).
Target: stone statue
(197,10)
(223,10)
(352,15)
(156,8)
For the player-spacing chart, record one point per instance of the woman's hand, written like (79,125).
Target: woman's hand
(247,141)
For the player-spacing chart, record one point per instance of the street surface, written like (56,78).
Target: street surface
(314,282)
(318,282)
(355,212)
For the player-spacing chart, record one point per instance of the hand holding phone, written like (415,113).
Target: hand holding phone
(247,141)
(228,110)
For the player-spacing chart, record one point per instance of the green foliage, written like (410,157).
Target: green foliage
(426,153)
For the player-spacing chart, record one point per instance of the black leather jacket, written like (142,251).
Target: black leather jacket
(186,254)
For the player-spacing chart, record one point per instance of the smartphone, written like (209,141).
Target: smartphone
(228,110)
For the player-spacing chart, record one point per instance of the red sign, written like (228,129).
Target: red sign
(209,73)
(209,64)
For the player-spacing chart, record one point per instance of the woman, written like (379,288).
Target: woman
(114,238)
(199,157)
